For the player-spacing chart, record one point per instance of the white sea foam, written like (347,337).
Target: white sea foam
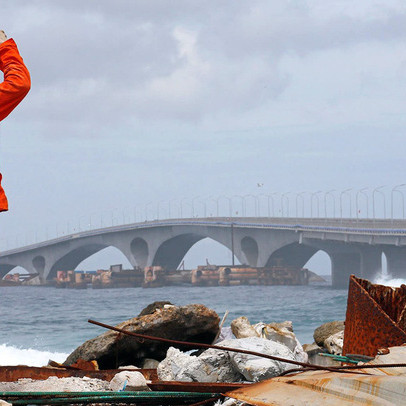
(388,281)
(10,355)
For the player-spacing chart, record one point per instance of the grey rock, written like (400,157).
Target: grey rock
(326,330)
(256,368)
(150,363)
(194,323)
(312,349)
(131,381)
(210,366)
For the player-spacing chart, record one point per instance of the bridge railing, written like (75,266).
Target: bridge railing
(369,207)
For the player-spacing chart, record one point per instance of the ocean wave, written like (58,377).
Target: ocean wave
(388,281)
(10,355)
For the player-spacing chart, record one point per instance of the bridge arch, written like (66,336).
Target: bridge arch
(171,252)
(73,258)
(5,269)
(249,248)
(293,254)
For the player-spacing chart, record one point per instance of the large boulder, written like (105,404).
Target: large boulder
(194,323)
(326,330)
(210,366)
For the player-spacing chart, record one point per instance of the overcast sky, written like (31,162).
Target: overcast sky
(144,101)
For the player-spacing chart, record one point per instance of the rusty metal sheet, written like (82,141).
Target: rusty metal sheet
(325,388)
(13,373)
(199,387)
(372,317)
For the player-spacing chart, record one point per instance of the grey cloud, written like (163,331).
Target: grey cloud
(101,60)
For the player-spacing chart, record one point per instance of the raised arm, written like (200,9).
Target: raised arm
(17,80)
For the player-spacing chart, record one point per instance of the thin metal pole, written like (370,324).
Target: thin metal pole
(232,243)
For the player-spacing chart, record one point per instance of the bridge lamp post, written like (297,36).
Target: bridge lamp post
(312,195)
(255,198)
(242,204)
(113,218)
(345,192)
(90,221)
(229,205)
(212,199)
(329,193)
(146,209)
(267,203)
(158,208)
(204,203)
(124,213)
(181,206)
(170,207)
(270,198)
(361,192)
(395,189)
(299,195)
(377,190)
(193,204)
(80,222)
(135,213)
(284,197)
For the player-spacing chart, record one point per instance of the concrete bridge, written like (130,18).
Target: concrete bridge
(354,246)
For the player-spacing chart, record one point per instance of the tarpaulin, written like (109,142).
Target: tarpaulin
(13,89)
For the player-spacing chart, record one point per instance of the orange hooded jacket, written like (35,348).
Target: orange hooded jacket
(16,85)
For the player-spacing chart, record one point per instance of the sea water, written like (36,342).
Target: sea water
(40,323)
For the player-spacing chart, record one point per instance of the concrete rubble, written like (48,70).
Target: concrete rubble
(215,365)
(54,384)
(211,366)
(130,381)
(279,332)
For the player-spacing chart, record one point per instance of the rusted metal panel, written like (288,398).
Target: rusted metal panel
(372,318)
(325,388)
(200,387)
(13,373)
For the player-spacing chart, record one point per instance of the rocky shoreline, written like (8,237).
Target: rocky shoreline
(193,323)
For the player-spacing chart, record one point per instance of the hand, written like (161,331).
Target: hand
(3,36)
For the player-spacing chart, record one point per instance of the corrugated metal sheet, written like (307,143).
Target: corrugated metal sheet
(325,388)
(375,317)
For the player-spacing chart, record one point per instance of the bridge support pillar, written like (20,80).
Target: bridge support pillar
(396,261)
(371,262)
(343,265)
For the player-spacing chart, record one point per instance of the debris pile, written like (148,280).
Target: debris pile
(214,365)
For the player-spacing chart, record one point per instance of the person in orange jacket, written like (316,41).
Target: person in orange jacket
(13,89)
